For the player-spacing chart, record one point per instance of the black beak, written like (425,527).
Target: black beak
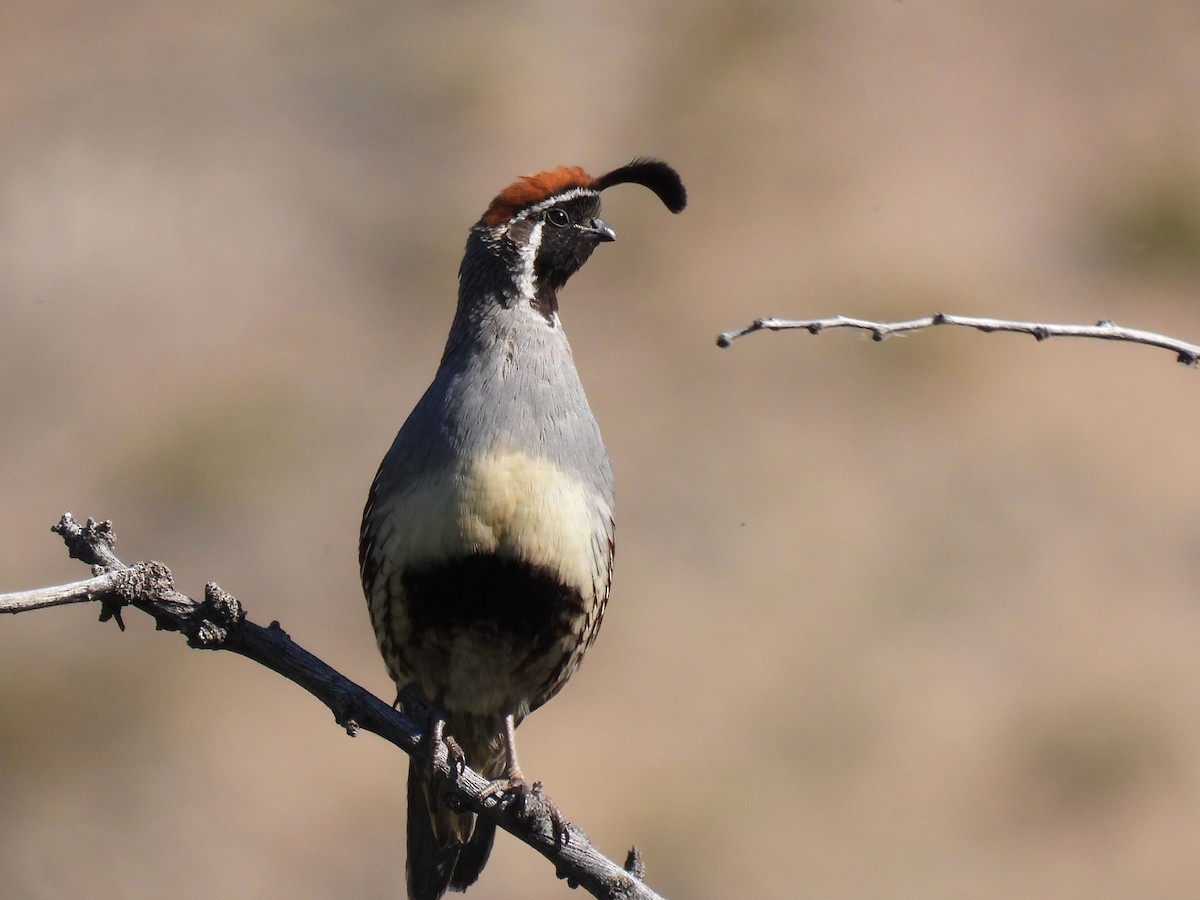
(599,231)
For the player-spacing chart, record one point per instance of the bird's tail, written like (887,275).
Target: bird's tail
(446,850)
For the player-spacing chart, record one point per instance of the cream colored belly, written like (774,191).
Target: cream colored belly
(508,504)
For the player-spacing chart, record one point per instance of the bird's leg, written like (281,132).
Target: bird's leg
(455,754)
(413,702)
(513,780)
(437,730)
(516,784)
(512,769)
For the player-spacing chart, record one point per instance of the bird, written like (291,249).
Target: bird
(487,539)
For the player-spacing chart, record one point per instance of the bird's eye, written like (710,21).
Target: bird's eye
(558,218)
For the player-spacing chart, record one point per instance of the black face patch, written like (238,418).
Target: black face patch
(567,240)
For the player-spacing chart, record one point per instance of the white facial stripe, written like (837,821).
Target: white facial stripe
(559,198)
(528,251)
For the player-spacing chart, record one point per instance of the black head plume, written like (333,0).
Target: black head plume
(649,173)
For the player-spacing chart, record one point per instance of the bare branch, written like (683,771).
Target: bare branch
(219,623)
(76,592)
(1104,330)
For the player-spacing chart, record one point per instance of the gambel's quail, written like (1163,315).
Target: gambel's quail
(487,540)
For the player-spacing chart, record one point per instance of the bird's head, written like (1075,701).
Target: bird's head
(545,226)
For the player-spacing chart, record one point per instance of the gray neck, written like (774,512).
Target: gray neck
(507,380)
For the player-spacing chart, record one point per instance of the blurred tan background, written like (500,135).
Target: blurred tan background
(915,619)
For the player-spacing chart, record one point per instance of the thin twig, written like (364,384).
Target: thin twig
(1104,330)
(76,592)
(219,623)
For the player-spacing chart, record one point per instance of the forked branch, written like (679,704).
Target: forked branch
(219,623)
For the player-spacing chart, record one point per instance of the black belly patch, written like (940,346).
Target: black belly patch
(491,594)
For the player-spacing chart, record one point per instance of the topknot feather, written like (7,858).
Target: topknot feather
(531,189)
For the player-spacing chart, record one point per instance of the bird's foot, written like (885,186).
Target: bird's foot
(444,748)
(530,802)
(413,702)
(513,786)
(455,755)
